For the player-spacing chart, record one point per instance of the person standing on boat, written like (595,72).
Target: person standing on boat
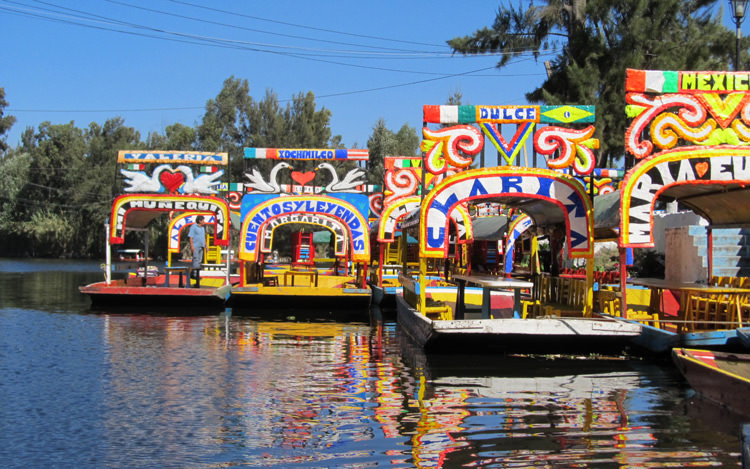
(197,235)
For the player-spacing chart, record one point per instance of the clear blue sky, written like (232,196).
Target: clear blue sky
(157,62)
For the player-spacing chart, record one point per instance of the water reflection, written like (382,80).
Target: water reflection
(333,394)
(219,390)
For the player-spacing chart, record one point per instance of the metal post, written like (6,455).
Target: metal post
(145,257)
(107,256)
(623,282)
(737,36)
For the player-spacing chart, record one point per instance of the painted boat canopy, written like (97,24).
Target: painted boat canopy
(460,216)
(550,198)
(689,133)
(135,211)
(714,182)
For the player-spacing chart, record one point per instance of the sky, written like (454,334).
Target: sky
(157,62)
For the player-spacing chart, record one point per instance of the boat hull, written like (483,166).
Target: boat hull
(120,294)
(718,377)
(513,335)
(281,301)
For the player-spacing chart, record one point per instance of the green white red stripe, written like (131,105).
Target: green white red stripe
(651,81)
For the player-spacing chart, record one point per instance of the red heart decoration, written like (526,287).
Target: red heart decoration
(701,168)
(172,180)
(303,178)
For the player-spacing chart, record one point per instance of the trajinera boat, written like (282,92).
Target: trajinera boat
(720,377)
(550,312)
(302,243)
(164,192)
(691,145)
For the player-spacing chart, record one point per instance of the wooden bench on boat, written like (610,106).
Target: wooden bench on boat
(702,306)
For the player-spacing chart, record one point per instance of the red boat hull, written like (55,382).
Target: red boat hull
(723,378)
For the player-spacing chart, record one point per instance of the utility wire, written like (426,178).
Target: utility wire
(313,28)
(231,43)
(227,25)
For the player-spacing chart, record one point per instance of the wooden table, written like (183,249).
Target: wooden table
(489,283)
(690,291)
(312,275)
(179,270)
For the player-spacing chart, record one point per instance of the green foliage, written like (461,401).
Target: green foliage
(384,142)
(606,258)
(596,41)
(58,186)
(6,122)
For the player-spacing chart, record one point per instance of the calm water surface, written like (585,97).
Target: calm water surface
(80,388)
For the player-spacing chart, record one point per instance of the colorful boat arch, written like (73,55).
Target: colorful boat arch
(339,209)
(140,209)
(506,182)
(398,210)
(341,234)
(180,221)
(693,166)
(517,227)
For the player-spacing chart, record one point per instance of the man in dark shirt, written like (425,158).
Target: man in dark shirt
(197,235)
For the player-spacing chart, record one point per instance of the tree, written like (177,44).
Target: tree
(234,120)
(6,122)
(384,142)
(226,123)
(596,41)
(94,190)
(177,137)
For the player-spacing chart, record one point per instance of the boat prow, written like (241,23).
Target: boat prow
(720,377)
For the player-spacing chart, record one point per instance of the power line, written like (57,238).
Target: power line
(313,28)
(303,53)
(307,38)
(330,95)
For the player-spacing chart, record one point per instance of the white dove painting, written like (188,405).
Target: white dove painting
(139,181)
(203,184)
(348,184)
(260,185)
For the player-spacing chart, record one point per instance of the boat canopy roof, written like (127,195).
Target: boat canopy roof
(492,228)
(723,205)
(139,219)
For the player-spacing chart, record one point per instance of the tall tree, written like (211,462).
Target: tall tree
(176,137)
(384,142)
(6,122)
(234,120)
(45,217)
(225,126)
(596,41)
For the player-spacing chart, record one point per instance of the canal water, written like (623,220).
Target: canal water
(82,388)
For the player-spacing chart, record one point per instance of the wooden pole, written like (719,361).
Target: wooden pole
(623,282)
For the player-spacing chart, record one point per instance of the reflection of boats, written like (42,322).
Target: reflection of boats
(723,378)
(181,196)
